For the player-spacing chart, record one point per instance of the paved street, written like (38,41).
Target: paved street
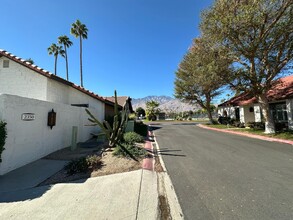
(224,176)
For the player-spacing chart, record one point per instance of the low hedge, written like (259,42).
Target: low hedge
(132,137)
(141,128)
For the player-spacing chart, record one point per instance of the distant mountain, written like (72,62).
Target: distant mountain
(167,104)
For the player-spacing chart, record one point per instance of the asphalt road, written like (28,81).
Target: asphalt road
(223,176)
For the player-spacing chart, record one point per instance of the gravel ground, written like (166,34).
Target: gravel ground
(110,164)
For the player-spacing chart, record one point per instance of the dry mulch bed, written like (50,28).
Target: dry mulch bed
(110,164)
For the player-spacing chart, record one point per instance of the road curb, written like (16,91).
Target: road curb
(248,135)
(166,188)
(148,163)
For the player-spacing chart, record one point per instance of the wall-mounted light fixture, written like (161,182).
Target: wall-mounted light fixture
(51,119)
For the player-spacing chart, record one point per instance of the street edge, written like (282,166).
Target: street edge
(248,135)
(148,163)
(166,188)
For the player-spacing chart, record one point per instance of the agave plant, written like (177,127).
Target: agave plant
(115,133)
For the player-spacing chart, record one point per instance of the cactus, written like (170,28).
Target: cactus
(115,133)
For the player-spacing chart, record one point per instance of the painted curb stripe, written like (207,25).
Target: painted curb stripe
(249,135)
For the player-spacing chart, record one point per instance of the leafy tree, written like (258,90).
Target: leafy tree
(66,42)
(140,111)
(79,30)
(259,38)
(197,80)
(152,109)
(55,50)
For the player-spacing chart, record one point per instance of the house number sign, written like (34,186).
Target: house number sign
(28,116)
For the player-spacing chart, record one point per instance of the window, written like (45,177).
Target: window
(279,112)
(5,63)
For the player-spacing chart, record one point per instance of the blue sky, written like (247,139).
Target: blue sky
(133,46)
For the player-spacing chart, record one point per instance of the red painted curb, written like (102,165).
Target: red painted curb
(148,163)
(249,135)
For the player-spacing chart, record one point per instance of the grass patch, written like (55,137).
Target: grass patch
(286,135)
(219,126)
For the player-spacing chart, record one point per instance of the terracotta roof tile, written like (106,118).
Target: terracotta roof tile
(120,99)
(281,89)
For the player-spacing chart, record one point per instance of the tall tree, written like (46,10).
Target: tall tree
(152,109)
(259,37)
(140,112)
(55,50)
(79,30)
(197,78)
(66,42)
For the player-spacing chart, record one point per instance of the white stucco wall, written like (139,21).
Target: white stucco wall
(21,81)
(28,141)
(248,116)
(60,93)
(289,105)
(241,114)
(230,111)
(257,113)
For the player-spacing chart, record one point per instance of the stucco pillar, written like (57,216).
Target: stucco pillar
(257,113)
(289,106)
(241,113)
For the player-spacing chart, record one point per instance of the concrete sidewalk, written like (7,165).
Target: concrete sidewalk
(30,175)
(131,195)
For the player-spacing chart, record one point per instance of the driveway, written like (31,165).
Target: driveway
(223,176)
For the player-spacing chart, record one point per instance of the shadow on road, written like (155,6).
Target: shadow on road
(168,152)
(153,128)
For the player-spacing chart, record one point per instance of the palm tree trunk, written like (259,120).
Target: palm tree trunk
(269,121)
(66,63)
(55,66)
(81,81)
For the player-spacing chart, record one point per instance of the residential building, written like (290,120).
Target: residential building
(245,107)
(27,94)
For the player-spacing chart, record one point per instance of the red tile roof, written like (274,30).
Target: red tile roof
(120,99)
(281,89)
(50,75)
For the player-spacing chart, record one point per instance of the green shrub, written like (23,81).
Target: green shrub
(256,125)
(132,149)
(132,137)
(83,164)
(131,116)
(141,128)
(3,135)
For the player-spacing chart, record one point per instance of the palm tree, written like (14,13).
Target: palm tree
(66,42)
(79,30)
(55,50)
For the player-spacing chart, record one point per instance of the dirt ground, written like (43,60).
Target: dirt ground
(110,164)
